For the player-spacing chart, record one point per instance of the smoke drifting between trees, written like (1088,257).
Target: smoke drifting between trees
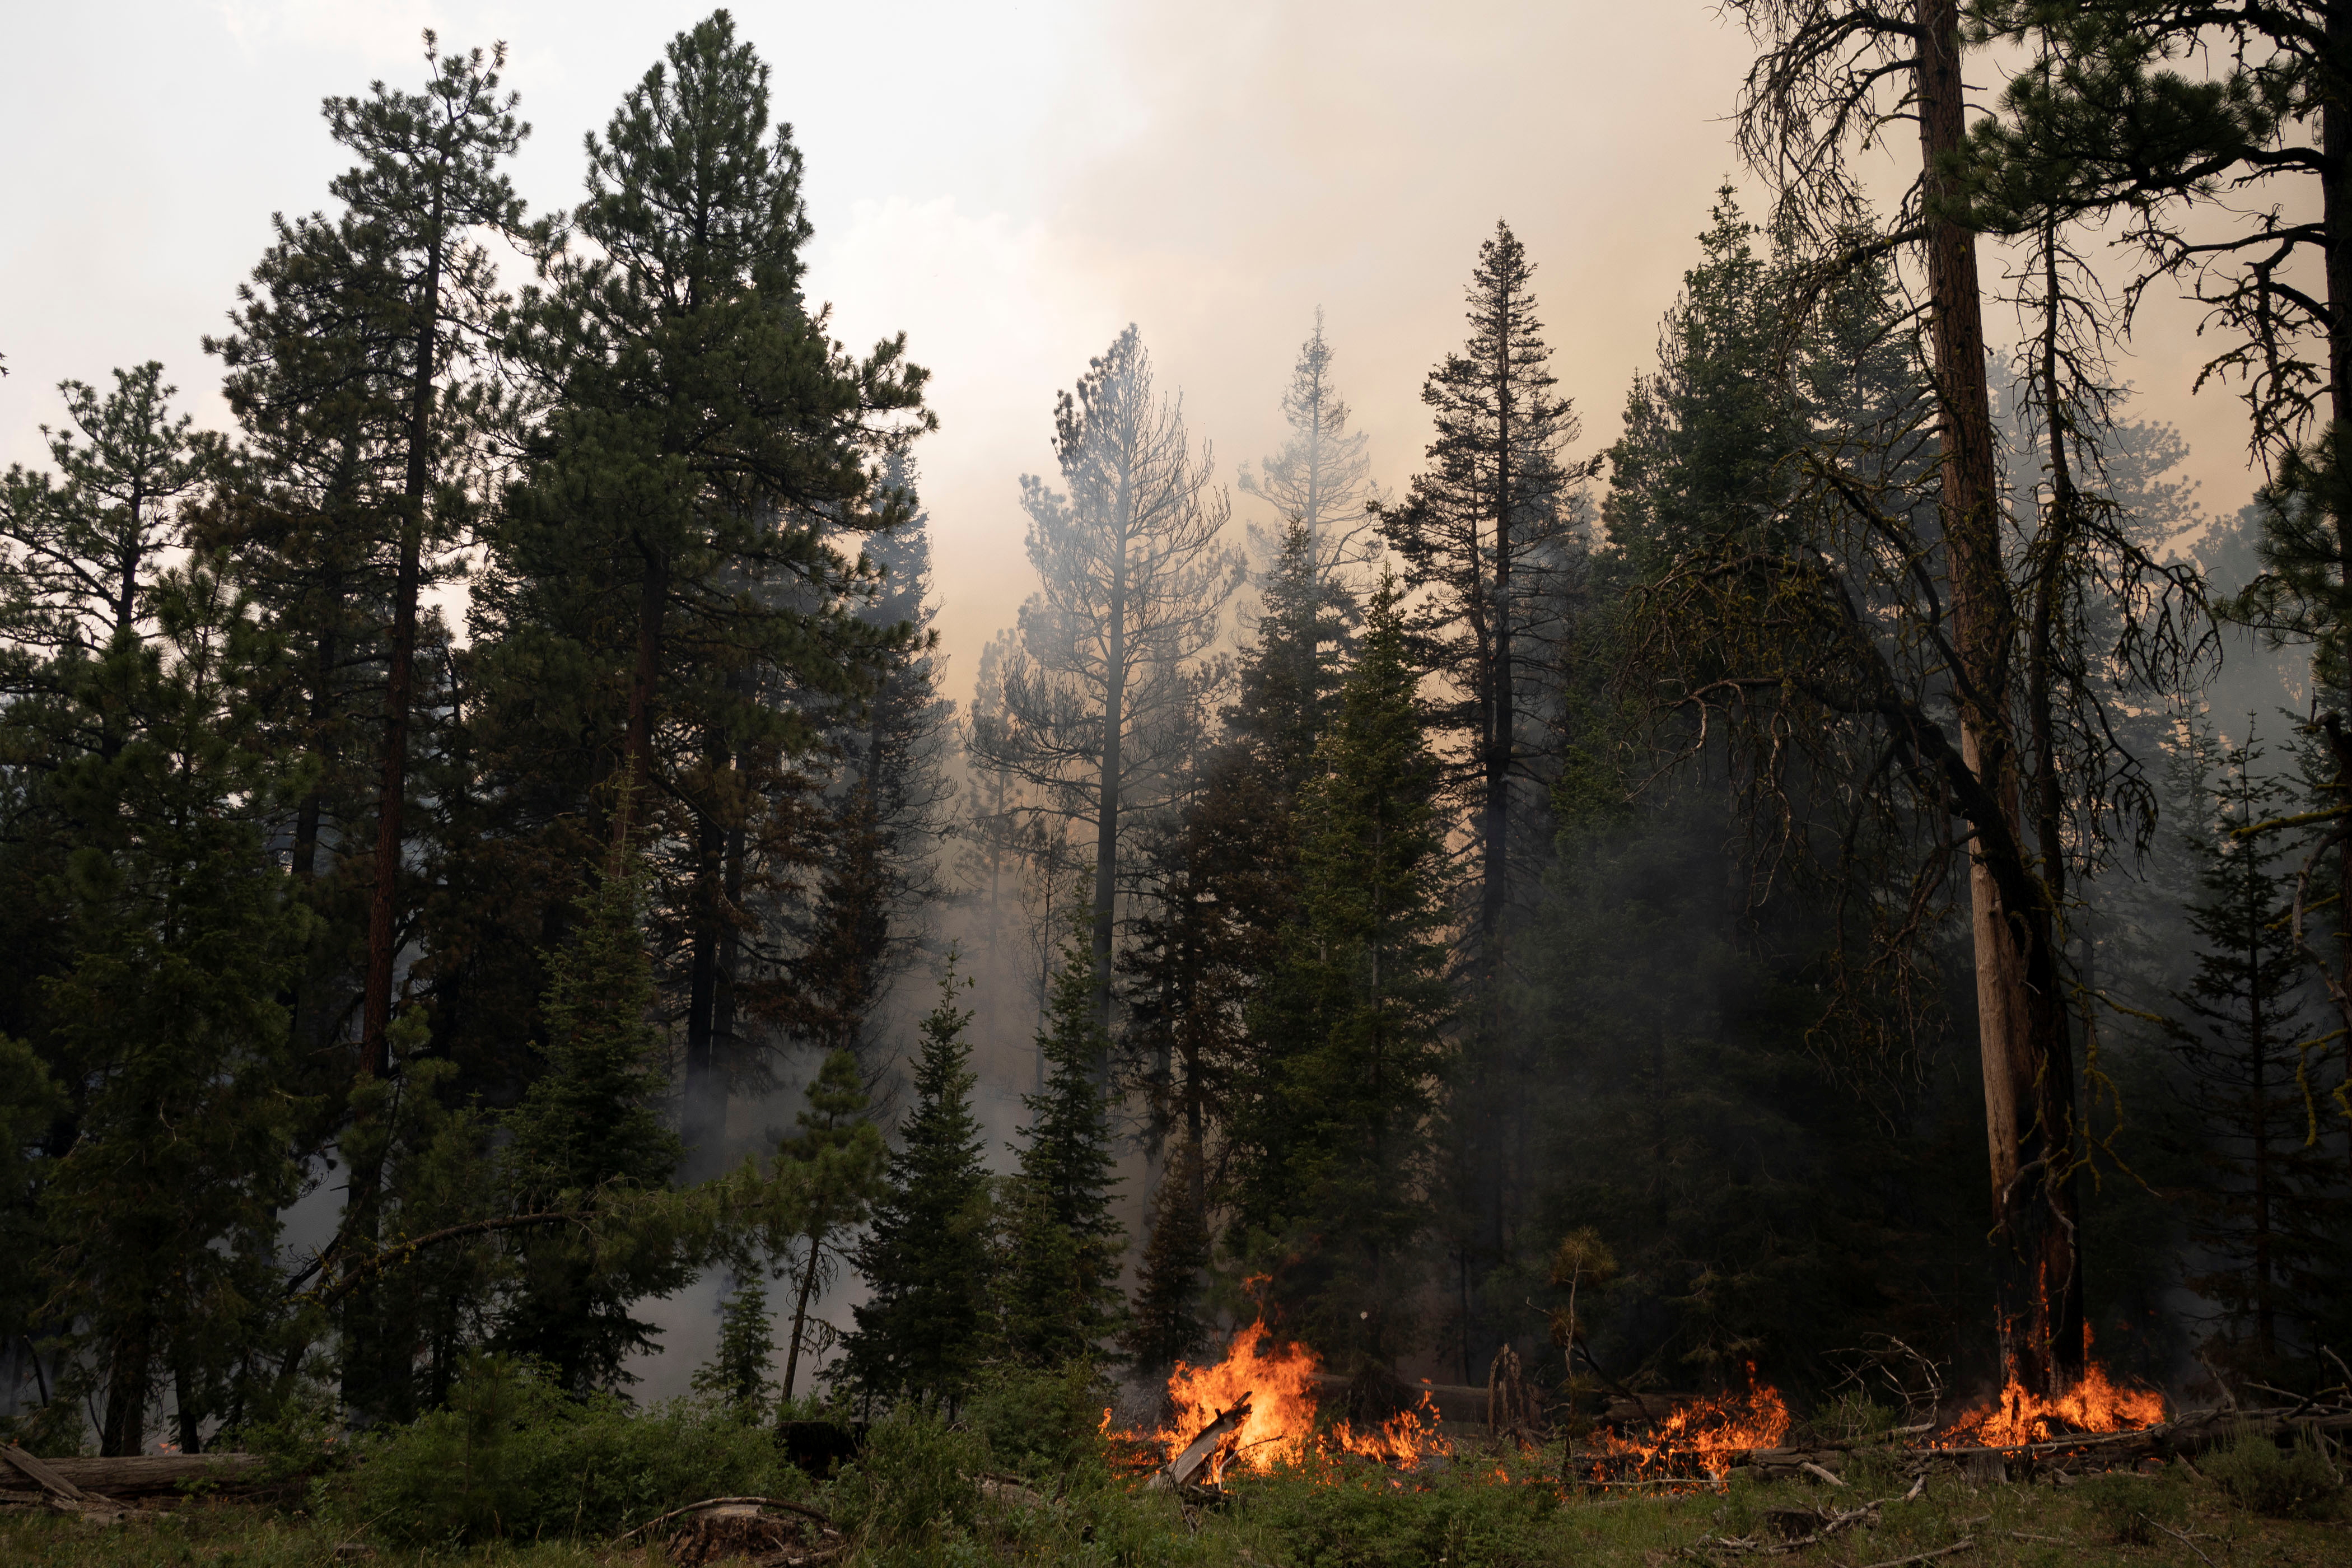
(1773,853)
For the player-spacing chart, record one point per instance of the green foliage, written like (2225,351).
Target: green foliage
(1366,1523)
(1045,1426)
(2127,1508)
(592,1123)
(2293,1482)
(1337,1131)
(737,1374)
(926,1256)
(914,1485)
(514,1457)
(1062,1298)
(837,1161)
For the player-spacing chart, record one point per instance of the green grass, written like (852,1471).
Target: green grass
(1289,1521)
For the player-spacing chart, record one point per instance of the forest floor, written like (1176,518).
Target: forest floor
(1288,1523)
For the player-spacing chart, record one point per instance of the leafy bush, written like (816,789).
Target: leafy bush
(513,1456)
(2255,1473)
(914,1485)
(2128,1508)
(1374,1524)
(1045,1426)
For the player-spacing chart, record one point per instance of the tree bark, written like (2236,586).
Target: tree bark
(2026,1055)
(400,672)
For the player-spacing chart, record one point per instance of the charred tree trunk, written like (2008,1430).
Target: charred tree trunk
(2022,1020)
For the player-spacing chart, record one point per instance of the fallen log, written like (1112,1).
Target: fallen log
(155,1474)
(1185,1469)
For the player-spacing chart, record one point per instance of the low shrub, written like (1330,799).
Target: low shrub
(2127,1508)
(2256,1474)
(513,1457)
(914,1485)
(1045,1427)
(1372,1523)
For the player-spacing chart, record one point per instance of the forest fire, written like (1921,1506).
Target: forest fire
(1707,1435)
(2095,1405)
(1264,1393)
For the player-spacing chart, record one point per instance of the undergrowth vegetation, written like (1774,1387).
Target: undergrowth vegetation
(514,1471)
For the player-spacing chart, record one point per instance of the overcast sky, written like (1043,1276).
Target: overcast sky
(1008,183)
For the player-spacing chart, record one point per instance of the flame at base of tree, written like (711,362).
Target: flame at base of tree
(2095,1403)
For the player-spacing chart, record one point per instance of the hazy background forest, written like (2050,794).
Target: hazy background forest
(893,737)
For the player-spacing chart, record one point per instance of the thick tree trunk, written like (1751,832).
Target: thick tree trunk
(638,745)
(400,677)
(2026,1058)
(2336,212)
(126,1392)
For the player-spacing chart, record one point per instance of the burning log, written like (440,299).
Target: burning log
(1185,1469)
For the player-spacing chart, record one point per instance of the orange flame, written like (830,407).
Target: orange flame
(1279,1380)
(1709,1433)
(2096,1403)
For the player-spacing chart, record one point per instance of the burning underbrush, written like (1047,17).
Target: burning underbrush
(1267,1405)
(1261,1408)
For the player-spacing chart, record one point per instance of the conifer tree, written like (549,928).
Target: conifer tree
(736,1371)
(592,1123)
(1222,886)
(840,1160)
(1483,535)
(1339,1136)
(1165,1325)
(1321,480)
(927,1258)
(1062,1300)
(673,555)
(168,1034)
(2271,1219)
(1097,704)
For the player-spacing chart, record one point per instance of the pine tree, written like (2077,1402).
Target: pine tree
(840,1160)
(1165,1325)
(926,1259)
(1482,534)
(1339,1138)
(166,1027)
(592,1123)
(1321,480)
(2270,1218)
(673,556)
(1096,706)
(738,1371)
(1061,1299)
(1222,887)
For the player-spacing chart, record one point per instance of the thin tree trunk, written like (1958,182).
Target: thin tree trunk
(2021,1028)
(2258,1079)
(801,1303)
(705,1111)
(1106,808)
